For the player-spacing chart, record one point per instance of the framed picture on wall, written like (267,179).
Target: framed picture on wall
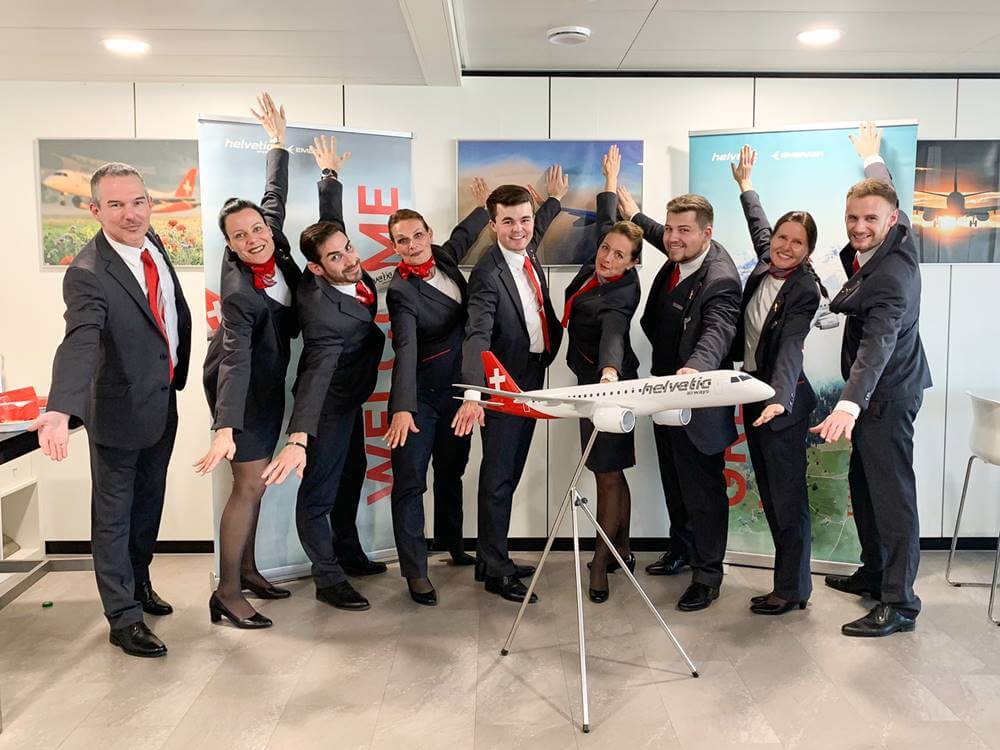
(571,238)
(169,168)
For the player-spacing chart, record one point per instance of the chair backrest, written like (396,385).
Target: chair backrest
(984,440)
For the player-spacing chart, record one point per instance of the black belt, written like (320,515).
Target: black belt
(539,357)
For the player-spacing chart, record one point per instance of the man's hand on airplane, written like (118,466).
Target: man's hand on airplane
(627,207)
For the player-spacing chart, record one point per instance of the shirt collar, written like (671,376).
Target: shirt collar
(128,250)
(349,289)
(688,267)
(514,259)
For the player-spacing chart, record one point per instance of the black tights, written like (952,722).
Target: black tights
(614,511)
(237,532)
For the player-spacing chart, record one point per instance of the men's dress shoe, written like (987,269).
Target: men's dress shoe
(598,596)
(151,602)
(668,564)
(772,605)
(884,619)
(264,592)
(854,584)
(461,558)
(613,565)
(217,610)
(342,596)
(362,566)
(427,598)
(698,596)
(509,588)
(761,598)
(520,571)
(137,640)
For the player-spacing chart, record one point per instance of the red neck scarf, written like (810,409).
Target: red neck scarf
(421,271)
(589,284)
(263,273)
(782,273)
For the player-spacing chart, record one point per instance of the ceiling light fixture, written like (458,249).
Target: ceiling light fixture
(568,35)
(819,37)
(124,46)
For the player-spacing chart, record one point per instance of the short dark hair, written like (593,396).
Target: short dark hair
(704,214)
(234,206)
(631,232)
(112,169)
(404,214)
(315,235)
(873,186)
(506,195)
(806,220)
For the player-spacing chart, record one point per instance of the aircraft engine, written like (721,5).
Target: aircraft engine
(78,202)
(672,417)
(614,419)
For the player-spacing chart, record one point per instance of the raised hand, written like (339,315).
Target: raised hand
(556,182)
(324,151)
(222,447)
(480,191)
(627,207)
(535,197)
(611,165)
(868,141)
(271,118)
(743,168)
(53,434)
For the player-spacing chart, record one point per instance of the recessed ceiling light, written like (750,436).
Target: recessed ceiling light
(568,35)
(124,46)
(819,37)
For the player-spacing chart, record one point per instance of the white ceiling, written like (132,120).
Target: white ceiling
(432,41)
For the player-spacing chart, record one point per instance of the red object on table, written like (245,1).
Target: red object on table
(20,405)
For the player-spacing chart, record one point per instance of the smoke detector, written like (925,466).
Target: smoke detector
(568,35)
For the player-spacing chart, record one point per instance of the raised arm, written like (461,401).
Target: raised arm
(468,230)
(628,209)
(757,223)
(868,144)
(331,191)
(557,185)
(607,200)
(272,119)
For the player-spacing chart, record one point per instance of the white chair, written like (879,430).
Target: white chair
(984,441)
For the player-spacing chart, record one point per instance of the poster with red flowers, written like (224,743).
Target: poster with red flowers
(169,169)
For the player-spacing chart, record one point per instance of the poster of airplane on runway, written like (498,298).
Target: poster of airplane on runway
(571,238)
(169,168)
(956,201)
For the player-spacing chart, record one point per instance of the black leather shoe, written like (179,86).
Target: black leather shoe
(461,558)
(598,596)
(264,592)
(342,596)
(137,640)
(427,598)
(613,565)
(151,602)
(668,564)
(362,566)
(697,596)
(761,598)
(520,571)
(509,588)
(772,605)
(884,619)
(854,584)
(217,610)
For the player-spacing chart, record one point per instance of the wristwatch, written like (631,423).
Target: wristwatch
(329,174)
(275,140)
(612,378)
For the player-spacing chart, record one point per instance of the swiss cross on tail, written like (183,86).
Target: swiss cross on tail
(186,188)
(497,376)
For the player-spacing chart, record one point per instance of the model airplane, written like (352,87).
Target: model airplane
(75,185)
(613,407)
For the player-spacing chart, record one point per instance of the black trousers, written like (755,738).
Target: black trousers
(326,456)
(506,441)
(695,490)
(884,499)
(436,441)
(779,464)
(126,503)
(344,516)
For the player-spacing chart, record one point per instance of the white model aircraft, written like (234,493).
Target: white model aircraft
(613,407)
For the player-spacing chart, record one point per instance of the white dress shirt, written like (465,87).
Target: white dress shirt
(133,259)
(279,290)
(443,283)
(529,302)
(757,310)
(688,267)
(351,290)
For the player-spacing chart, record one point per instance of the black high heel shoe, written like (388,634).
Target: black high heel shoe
(264,592)
(427,598)
(217,610)
(772,605)
(613,565)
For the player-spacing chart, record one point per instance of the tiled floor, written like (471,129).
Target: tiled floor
(403,676)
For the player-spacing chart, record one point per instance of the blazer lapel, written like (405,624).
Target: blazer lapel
(121,273)
(508,281)
(434,294)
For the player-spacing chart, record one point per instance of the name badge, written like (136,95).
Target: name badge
(677,305)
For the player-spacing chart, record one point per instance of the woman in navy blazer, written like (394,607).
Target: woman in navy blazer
(600,303)
(779,302)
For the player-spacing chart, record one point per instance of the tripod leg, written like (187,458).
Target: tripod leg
(635,583)
(579,619)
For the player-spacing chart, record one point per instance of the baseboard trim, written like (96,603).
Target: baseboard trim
(165,547)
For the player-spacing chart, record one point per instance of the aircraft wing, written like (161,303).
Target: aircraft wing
(526,396)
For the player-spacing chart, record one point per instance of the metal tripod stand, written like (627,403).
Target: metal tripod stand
(578,501)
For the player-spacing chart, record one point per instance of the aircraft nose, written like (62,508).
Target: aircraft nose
(760,390)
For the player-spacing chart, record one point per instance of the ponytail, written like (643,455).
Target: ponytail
(812,272)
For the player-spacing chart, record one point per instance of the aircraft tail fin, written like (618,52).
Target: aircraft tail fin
(186,187)
(496,374)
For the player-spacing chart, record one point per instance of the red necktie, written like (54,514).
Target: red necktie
(590,284)
(263,273)
(675,278)
(529,271)
(855,265)
(363,294)
(155,304)
(421,270)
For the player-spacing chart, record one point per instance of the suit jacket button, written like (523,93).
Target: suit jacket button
(163,356)
(164,388)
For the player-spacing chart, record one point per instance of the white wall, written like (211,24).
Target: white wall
(660,111)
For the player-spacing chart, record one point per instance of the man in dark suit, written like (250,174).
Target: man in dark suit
(338,368)
(882,359)
(427,300)
(690,319)
(117,371)
(510,314)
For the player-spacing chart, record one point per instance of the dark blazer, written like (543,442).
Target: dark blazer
(110,371)
(882,357)
(783,334)
(249,352)
(428,326)
(496,318)
(710,313)
(600,317)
